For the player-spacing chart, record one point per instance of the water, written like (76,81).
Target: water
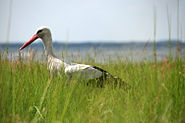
(95,52)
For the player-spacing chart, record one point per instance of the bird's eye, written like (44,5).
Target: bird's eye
(39,31)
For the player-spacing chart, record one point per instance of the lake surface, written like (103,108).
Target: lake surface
(96,52)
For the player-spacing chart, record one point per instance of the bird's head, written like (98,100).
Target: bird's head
(41,32)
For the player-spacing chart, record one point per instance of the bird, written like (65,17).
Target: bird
(92,74)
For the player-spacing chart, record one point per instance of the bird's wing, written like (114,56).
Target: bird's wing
(83,71)
(76,68)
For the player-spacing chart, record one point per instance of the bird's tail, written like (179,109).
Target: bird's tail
(117,82)
(111,80)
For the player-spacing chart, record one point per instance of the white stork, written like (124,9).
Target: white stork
(87,72)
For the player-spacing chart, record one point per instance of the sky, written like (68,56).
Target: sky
(91,20)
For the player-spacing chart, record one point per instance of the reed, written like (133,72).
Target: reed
(154,42)
(9,22)
(169,31)
(178,40)
(27,94)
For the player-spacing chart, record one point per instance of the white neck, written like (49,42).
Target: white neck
(48,47)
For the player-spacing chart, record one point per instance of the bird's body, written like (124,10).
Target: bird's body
(84,72)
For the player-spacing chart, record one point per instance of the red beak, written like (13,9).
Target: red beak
(29,42)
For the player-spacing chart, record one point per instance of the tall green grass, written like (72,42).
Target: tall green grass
(29,94)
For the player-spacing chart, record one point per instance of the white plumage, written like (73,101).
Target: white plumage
(85,72)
